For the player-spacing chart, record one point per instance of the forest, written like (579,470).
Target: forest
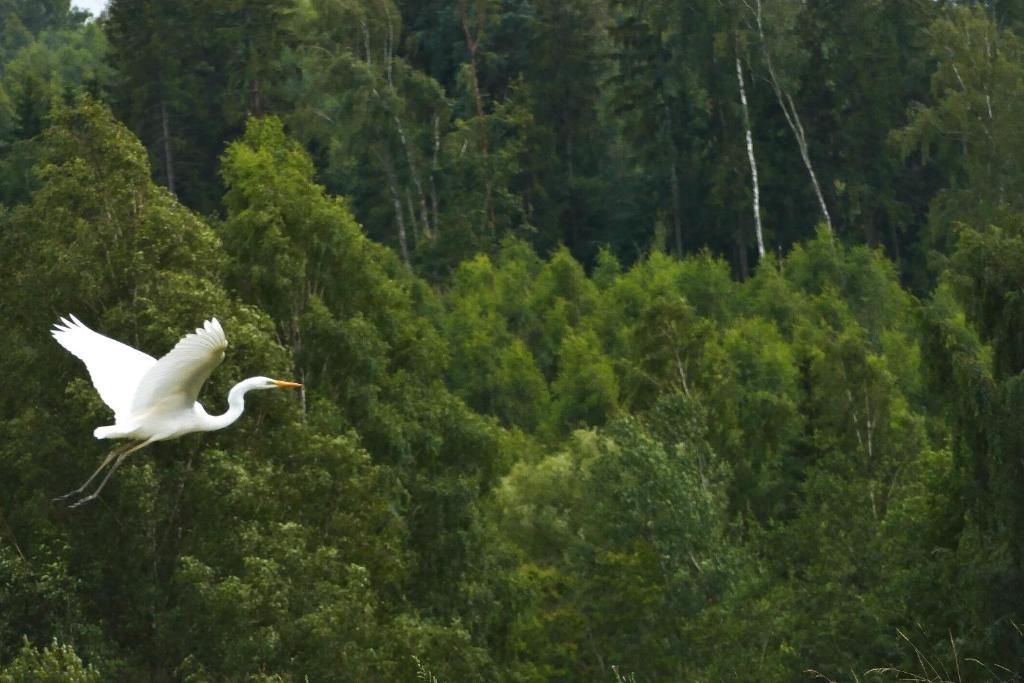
(641,340)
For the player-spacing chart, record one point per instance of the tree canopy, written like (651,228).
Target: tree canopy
(640,341)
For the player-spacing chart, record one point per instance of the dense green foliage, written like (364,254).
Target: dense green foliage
(562,419)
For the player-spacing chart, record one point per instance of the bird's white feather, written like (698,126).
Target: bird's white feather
(115,368)
(154,400)
(174,381)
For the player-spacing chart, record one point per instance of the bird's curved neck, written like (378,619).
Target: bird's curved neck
(236,405)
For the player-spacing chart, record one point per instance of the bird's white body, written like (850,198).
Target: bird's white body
(158,425)
(155,400)
(164,420)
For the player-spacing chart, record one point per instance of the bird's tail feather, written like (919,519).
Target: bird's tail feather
(108,432)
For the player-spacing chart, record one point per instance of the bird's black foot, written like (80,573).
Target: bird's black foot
(67,495)
(83,501)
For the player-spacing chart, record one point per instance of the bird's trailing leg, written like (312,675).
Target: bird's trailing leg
(121,455)
(106,461)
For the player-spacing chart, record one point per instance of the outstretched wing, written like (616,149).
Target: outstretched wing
(173,383)
(114,368)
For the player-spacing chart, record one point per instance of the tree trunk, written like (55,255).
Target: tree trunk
(677,219)
(792,118)
(473,44)
(434,169)
(677,208)
(255,98)
(896,246)
(396,199)
(753,165)
(414,172)
(165,128)
(406,148)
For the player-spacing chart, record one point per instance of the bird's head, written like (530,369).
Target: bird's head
(267,383)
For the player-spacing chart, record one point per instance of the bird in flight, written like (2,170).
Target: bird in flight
(153,400)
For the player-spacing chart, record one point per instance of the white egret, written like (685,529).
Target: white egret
(153,400)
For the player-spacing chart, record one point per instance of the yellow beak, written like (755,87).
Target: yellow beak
(281,384)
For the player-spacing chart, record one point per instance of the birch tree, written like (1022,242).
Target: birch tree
(972,132)
(779,21)
(189,75)
(752,159)
(372,115)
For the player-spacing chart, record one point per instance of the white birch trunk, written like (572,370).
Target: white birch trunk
(753,162)
(396,199)
(792,118)
(434,169)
